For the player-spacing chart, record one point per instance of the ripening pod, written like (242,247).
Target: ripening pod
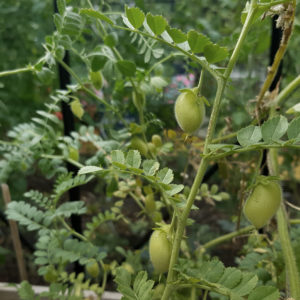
(138,99)
(189,111)
(263,202)
(160,249)
(96,79)
(139,144)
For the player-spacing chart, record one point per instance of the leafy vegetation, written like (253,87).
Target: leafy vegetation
(142,178)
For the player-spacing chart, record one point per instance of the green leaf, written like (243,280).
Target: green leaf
(26,291)
(89,169)
(165,176)
(96,14)
(118,156)
(58,21)
(158,82)
(264,293)
(98,62)
(72,24)
(135,16)
(61,6)
(294,109)
(70,208)
(274,129)
(77,109)
(126,67)
(249,135)
(177,35)
(157,24)
(247,284)
(174,189)
(215,53)
(197,41)
(150,167)
(133,159)
(293,131)
(111,40)
(231,277)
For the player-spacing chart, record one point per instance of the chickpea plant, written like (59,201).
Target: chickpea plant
(129,161)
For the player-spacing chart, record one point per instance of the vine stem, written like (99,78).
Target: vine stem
(16,71)
(225,238)
(162,61)
(288,90)
(88,91)
(221,82)
(293,278)
(287,32)
(72,231)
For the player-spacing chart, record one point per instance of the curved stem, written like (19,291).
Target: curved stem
(16,71)
(88,91)
(200,60)
(288,90)
(162,61)
(200,83)
(272,71)
(72,231)
(221,81)
(293,278)
(225,238)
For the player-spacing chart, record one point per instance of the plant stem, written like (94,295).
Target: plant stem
(294,221)
(288,90)
(219,139)
(200,60)
(287,32)
(293,278)
(204,162)
(254,148)
(104,280)
(88,91)
(161,62)
(69,160)
(16,71)
(225,238)
(193,293)
(72,231)
(200,84)
(243,34)
(137,201)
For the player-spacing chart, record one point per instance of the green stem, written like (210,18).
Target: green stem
(254,148)
(224,238)
(16,71)
(288,90)
(272,71)
(88,91)
(104,280)
(201,286)
(293,278)
(204,162)
(219,139)
(193,293)
(161,62)
(137,201)
(72,231)
(200,60)
(295,221)
(241,39)
(69,160)
(200,84)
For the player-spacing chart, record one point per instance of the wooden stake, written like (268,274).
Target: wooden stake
(15,236)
